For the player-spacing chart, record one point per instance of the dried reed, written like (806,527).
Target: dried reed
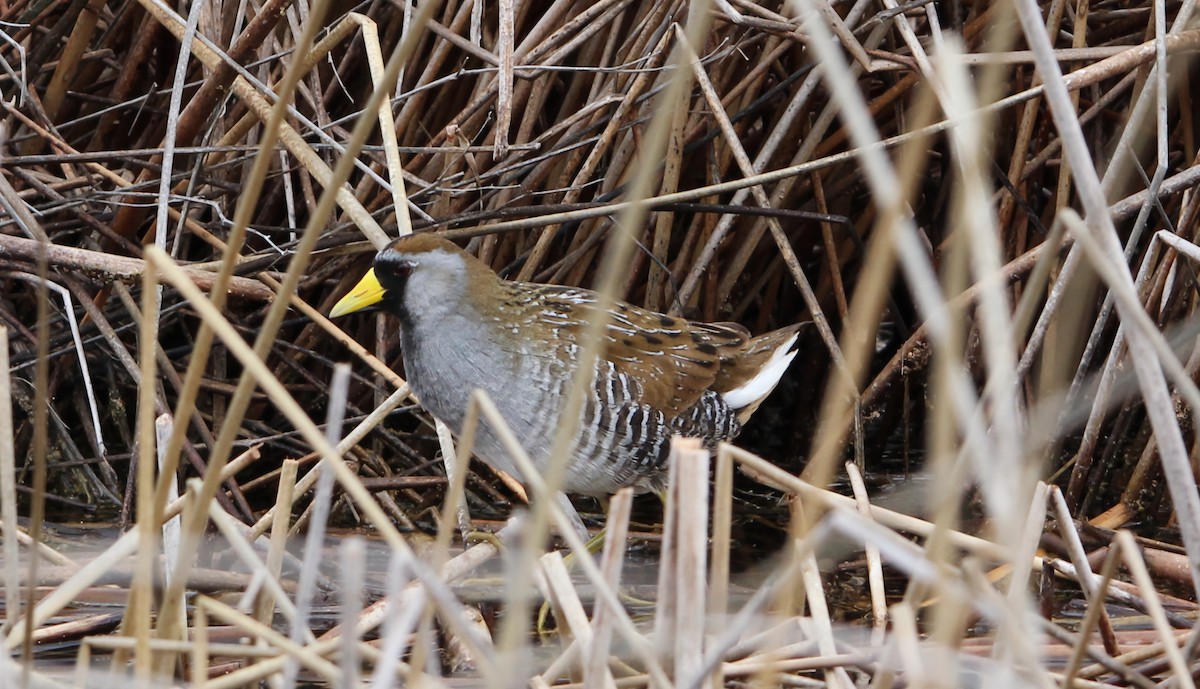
(982,208)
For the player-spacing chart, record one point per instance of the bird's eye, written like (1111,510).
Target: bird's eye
(393,272)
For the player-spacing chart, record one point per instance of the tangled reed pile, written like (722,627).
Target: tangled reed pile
(1024,236)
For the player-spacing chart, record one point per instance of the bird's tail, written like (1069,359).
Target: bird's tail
(759,369)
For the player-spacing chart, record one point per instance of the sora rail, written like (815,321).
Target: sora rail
(464,327)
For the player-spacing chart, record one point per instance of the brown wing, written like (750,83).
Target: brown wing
(673,361)
(670,361)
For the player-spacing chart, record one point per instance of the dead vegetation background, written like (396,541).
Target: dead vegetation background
(1024,235)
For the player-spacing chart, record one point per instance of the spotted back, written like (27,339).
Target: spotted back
(670,362)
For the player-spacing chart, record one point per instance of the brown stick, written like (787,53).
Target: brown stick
(107,267)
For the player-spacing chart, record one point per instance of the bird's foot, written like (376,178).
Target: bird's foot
(479,536)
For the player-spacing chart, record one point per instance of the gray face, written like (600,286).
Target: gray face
(426,285)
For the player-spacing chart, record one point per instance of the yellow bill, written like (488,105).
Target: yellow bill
(367,293)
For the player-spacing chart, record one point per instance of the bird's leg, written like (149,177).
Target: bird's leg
(627,598)
(592,543)
(569,509)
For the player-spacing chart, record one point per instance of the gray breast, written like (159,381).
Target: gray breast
(446,361)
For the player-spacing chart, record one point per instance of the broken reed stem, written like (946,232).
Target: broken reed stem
(691,526)
(8,493)
(874,564)
(141,598)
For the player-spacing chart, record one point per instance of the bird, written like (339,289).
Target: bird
(463,327)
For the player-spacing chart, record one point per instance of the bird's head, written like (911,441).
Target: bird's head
(416,276)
